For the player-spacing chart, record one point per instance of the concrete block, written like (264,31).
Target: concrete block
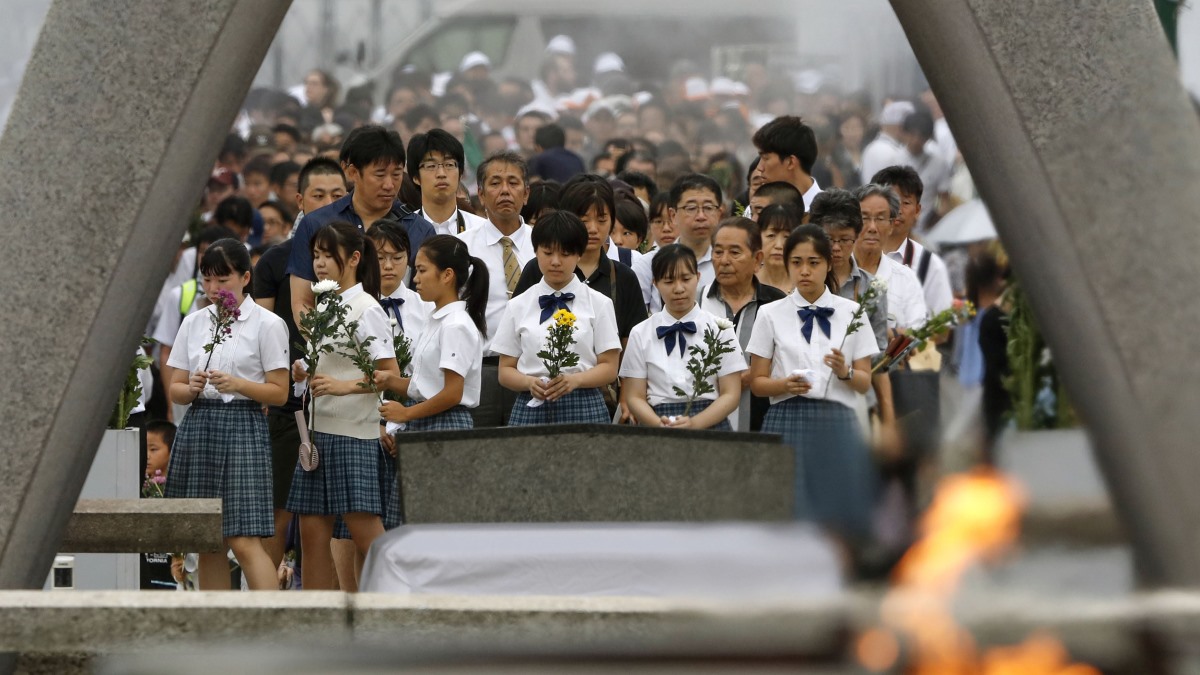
(132,621)
(105,153)
(144,526)
(593,473)
(1083,143)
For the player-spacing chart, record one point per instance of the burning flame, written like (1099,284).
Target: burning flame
(974,517)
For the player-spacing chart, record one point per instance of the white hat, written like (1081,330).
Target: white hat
(695,89)
(473,60)
(561,44)
(723,86)
(538,106)
(808,81)
(895,112)
(609,62)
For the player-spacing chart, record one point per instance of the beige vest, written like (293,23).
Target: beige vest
(353,415)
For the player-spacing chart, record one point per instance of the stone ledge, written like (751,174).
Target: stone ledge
(144,526)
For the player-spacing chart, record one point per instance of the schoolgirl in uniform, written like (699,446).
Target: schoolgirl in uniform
(407,314)
(657,355)
(573,397)
(223,449)
(345,431)
(448,355)
(794,355)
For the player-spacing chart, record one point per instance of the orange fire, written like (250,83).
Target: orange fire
(974,517)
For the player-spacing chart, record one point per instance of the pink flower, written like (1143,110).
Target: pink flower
(159,479)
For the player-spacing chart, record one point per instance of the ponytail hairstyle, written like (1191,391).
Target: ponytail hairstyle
(341,238)
(470,274)
(815,235)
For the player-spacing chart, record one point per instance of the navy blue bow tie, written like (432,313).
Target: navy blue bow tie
(391,307)
(822,315)
(552,303)
(677,329)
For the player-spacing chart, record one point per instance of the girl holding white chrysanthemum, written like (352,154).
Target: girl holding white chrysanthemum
(658,386)
(573,396)
(345,421)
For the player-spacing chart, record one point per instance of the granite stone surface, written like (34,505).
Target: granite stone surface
(107,148)
(593,473)
(1083,143)
(144,526)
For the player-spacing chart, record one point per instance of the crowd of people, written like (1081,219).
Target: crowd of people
(693,255)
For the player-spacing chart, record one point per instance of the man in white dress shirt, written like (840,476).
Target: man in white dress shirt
(906,300)
(901,247)
(921,153)
(885,150)
(435,163)
(787,151)
(504,245)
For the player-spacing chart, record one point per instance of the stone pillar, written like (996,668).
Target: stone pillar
(112,136)
(1084,145)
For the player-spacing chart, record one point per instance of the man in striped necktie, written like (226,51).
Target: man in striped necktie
(504,245)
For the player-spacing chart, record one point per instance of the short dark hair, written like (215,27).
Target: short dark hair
(503,157)
(782,192)
(660,201)
(387,230)
(918,122)
(637,179)
(543,196)
(233,147)
(753,233)
(837,208)
(640,155)
(162,428)
(419,113)
(320,166)
(561,229)
(632,217)
(902,178)
(287,215)
(287,129)
(260,164)
(437,140)
(585,191)
(780,217)
(281,171)
(788,136)
(566,122)
(213,234)
(372,144)
(236,210)
(694,181)
(550,136)
(668,259)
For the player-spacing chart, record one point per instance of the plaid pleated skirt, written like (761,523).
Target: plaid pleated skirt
(389,492)
(835,482)
(668,409)
(223,450)
(346,479)
(582,406)
(454,419)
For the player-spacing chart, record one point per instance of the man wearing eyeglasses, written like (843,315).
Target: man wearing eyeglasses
(787,150)
(435,163)
(695,210)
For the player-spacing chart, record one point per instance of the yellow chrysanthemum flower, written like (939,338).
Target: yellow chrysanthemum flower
(564,318)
